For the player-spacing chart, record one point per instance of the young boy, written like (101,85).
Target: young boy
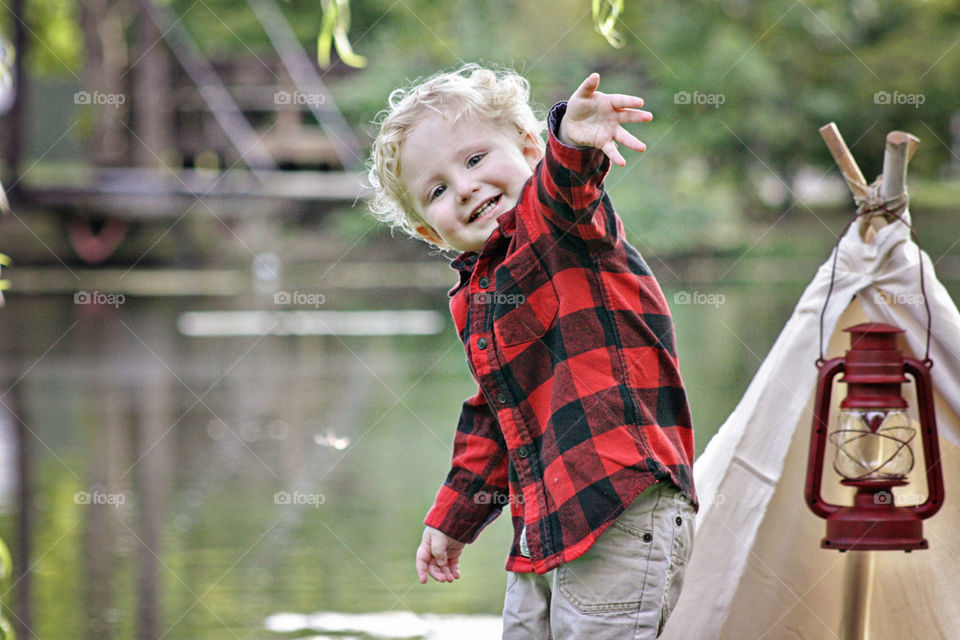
(581,421)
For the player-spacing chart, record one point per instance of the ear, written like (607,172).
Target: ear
(532,152)
(431,236)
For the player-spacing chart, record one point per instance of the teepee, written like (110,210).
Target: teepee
(757,569)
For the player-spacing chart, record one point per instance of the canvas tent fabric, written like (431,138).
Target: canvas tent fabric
(757,569)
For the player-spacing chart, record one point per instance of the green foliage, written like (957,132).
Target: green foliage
(229,28)
(6,564)
(6,570)
(759,79)
(56,40)
(767,75)
(4,285)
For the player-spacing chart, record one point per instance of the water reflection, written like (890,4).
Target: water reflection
(194,487)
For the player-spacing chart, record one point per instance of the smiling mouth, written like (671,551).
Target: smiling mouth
(485,207)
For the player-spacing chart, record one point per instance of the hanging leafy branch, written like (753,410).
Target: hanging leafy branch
(333,31)
(4,285)
(6,568)
(605,14)
(336,24)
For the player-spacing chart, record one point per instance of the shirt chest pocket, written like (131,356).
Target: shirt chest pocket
(525,302)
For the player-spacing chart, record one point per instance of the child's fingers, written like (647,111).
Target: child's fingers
(626,138)
(611,151)
(445,573)
(588,86)
(438,548)
(634,115)
(624,101)
(454,566)
(434,558)
(449,574)
(424,560)
(438,573)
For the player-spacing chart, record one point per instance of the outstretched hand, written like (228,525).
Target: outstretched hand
(595,119)
(439,556)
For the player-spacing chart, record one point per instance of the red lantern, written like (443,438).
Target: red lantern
(872,436)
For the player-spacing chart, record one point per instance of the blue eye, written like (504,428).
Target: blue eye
(437,192)
(474,160)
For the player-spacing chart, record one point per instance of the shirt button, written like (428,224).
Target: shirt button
(482,343)
(501,397)
(647,537)
(484,282)
(523,451)
(679,521)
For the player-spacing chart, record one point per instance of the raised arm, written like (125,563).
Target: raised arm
(584,137)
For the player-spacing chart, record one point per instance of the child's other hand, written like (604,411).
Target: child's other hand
(595,119)
(439,556)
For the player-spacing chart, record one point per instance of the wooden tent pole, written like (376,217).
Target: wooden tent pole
(857,596)
(897,152)
(899,149)
(844,159)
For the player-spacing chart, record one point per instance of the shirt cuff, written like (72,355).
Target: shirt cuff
(454,515)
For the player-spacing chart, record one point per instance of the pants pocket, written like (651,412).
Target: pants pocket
(610,576)
(614,575)
(679,558)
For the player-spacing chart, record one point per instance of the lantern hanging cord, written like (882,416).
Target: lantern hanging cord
(870,205)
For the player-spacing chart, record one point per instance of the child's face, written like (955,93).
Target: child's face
(462,175)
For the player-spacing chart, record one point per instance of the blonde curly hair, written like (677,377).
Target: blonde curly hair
(496,95)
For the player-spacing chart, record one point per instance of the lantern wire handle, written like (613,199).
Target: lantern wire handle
(923,289)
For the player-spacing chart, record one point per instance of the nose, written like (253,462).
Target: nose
(464,187)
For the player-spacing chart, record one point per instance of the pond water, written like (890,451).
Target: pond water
(223,487)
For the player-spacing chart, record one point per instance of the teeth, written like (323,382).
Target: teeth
(486,206)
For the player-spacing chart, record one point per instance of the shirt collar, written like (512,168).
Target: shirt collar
(467,261)
(508,222)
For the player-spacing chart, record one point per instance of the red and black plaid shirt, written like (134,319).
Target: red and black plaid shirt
(580,406)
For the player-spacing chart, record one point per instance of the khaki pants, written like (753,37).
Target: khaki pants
(623,587)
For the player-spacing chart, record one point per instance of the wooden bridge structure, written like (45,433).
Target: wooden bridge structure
(252,136)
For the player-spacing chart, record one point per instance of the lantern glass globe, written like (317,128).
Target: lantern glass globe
(873,444)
